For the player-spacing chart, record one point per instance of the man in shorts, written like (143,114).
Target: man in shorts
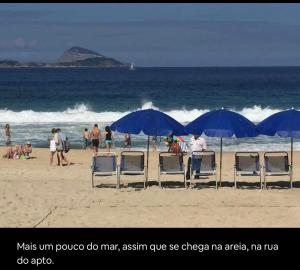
(96,138)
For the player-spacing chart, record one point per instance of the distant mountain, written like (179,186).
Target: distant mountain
(81,57)
(73,57)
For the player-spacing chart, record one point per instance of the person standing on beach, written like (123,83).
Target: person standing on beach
(96,138)
(7,132)
(108,138)
(127,141)
(61,147)
(53,147)
(86,138)
(198,144)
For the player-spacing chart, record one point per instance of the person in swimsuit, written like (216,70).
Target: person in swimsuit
(96,137)
(108,138)
(86,138)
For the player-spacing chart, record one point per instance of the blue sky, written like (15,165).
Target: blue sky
(155,34)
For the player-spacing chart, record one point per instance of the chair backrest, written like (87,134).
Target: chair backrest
(104,163)
(247,161)
(203,161)
(169,162)
(276,161)
(132,161)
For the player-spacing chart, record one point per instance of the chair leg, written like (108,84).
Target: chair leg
(260,180)
(158,177)
(291,179)
(216,181)
(119,179)
(144,180)
(234,177)
(184,179)
(191,177)
(92,180)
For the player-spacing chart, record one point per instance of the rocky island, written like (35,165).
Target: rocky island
(73,57)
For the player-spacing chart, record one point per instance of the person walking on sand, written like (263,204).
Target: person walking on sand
(96,138)
(53,147)
(108,138)
(7,133)
(62,140)
(86,138)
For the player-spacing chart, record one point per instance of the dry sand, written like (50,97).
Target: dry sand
(34,194)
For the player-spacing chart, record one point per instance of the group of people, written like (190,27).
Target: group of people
(94,139)
(58,145)
(20,151)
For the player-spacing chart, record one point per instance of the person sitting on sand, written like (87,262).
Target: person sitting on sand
(9,153)
(27,149)
(17,152)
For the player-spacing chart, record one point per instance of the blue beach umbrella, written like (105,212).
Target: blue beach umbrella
(150,122)
(284,124)
(222,123)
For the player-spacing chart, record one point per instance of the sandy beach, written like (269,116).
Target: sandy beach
(34,194)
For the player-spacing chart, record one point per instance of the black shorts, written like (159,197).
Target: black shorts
(95,142)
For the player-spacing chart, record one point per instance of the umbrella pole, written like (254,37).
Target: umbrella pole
(147,161)
(291,162)
(221,161)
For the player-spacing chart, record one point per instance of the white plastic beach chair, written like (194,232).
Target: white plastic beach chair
(105,164)
(247,164)
(203,163)
(132,163)
(170,163)
(276,164)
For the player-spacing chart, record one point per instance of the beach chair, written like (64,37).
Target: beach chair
(132,163)
(203,163)
(105,164)
(276,164)
(247,164)
(170,163)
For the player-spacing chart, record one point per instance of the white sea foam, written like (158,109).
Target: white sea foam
(81,113)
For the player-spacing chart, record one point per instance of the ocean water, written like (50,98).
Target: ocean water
(33,100)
